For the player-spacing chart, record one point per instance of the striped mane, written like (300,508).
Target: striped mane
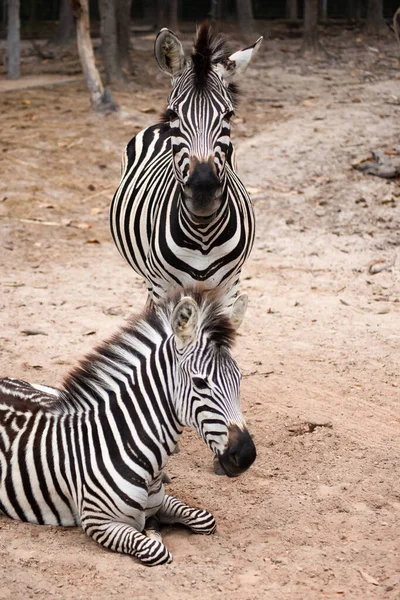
(209,49)
(121,347)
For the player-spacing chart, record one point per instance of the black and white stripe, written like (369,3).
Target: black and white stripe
(181,215)
(92,453)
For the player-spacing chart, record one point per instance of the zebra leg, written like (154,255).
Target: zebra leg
(124,538)
(173,510)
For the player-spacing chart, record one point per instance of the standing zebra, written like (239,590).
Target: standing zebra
(181,215)
(92,454)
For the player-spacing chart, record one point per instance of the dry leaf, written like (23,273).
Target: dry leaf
(96,210)
(93,241)
(376,266)
(147,109)
(368,578)
(83,226)
(307,103)
(33,332)
(26,101)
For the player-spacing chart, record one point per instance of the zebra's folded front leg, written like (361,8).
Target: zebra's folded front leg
(124,538)
(173,510)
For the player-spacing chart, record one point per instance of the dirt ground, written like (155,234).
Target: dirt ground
(318,514)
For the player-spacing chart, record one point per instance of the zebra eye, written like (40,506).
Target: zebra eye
(171,115)
(201,383)
(228,116)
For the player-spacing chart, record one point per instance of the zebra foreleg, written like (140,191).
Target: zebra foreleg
(124,538)
(173,510)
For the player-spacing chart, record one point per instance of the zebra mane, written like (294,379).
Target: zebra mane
(209,49)
(119,349)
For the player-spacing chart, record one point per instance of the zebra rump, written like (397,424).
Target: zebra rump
(92,453)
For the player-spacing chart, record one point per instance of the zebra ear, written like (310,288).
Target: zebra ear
(169,53)
(238,62)
(184,321)
(239,309)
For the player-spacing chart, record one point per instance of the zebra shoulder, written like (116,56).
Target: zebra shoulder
(146,143)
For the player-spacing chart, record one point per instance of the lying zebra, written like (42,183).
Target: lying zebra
(92,454)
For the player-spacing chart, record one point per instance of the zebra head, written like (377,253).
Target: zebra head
(200,107)
(208,379)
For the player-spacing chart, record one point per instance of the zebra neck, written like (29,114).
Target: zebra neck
(129,386)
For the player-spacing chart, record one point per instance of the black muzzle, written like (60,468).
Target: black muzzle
(240,453)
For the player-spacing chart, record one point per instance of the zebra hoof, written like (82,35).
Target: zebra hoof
(154,554)
(218,470)
(165,478)
(204,524)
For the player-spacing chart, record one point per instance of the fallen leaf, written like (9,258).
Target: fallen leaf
(33,332)
(83,225)
(96,210)
(376,266)
(307,103)
(89,332)
(147,109)
(93,241)
(368,578)
(12,284)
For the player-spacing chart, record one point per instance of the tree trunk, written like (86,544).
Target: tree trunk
(100,98)
(65,30)
(311,46)
(123,31)
(13,40)
(396,25)
(173,21)
(244,15)
(108,31)
(354,10)
(161,13)
(323,10)
(291,9)
(150,13)
(375,21)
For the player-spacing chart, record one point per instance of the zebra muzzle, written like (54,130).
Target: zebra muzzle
(240,452)
(203,189)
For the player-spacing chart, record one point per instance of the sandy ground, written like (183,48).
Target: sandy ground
(318,515)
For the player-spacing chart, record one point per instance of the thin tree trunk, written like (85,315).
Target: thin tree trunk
(100,98)
(354,10)
(108,29)
(396,25)
(123,31)
(323,10)
(311,46)
(291,9)
(173,21)
(150,13)
(244,15)
(375,21)
(13,40)
(161,13)
(65,30)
